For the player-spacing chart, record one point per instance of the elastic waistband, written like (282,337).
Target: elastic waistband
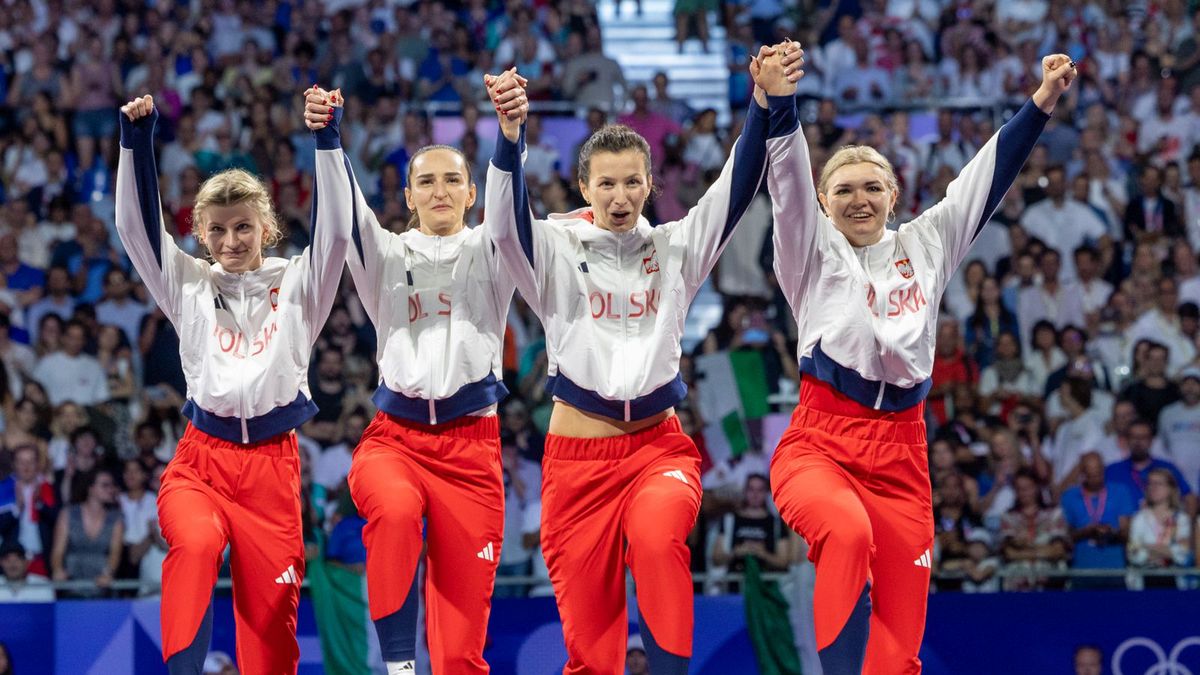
(610,447)
(825,409)
(469,427)
(562,387)
(820,395)
(279,445)
(469,398)
(264,427)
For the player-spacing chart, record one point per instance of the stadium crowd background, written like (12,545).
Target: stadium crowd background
(1067,371)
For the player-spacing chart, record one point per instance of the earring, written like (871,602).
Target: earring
(891,217)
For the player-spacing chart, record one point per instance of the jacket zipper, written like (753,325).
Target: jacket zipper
(242,382)
(437,269)
(624,326)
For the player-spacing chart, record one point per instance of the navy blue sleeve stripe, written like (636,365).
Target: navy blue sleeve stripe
(329,137)
(507,157)
(749,167)
(355,231)
(139,137)
(1017,140)
(784,118)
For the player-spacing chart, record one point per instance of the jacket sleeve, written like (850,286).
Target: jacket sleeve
(525,246)
(796,210)
(367,252)
(160,263)
(708,225)
(333,207)
(971,198)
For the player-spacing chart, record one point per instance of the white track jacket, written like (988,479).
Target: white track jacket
(613,305)
(867,316)
(244,339)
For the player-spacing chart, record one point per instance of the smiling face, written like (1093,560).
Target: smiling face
(617,188)
(234,237)
(439,191)
(858,199)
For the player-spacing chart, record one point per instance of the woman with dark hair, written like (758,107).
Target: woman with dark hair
(989,320)
(621,480)
(429,463)
(1033,535)
(89,532)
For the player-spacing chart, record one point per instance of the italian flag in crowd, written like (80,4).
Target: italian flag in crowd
(339,595)
(733,391)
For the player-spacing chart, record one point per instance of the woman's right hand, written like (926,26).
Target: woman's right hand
(138,108)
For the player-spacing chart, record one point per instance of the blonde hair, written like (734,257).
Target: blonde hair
(1173,498)
(856,154)
(232,187)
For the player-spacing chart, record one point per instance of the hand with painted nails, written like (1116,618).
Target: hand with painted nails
(138,108)
(769,73)
(1058,72)
(319,105)
(508,96)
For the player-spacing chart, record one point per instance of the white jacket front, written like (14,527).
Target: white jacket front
(613,305)
(867,316)
(439,305)
(244,339)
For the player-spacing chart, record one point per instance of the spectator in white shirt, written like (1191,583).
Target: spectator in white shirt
(57,301)
(1162,324)
(18,585)
(1088,293)
(143,540)
(1008,379)
(1048,300)
(1061,221)
(71,375)
(118,308)
(522,490)
(1179,427)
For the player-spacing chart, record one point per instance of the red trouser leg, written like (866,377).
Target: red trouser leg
(466,529)
(389,495)
(213,492)
(598,494)
(449,475)
(855,483)
(660,512)
(899,503)
(194,526)
(267,562)
(819,500)
(581,541)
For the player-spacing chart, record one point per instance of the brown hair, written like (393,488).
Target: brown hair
(231,187)
(414,221)
(611,138)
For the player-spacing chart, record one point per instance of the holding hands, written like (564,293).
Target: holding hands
(319,105)
(507,92)
(776,69)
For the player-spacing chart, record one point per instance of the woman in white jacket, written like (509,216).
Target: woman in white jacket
(246,325)
(851,474)
(1160,534)
(429,463)
(621,481)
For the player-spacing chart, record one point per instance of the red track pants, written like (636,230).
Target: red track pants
(450,476)
(854,482)
(215,493)
(611,502)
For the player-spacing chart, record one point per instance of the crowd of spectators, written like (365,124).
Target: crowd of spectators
(1065,411)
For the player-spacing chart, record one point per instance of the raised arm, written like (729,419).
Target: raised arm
(793,196)
(973,196)
(158,261)
(369,241)
(709,224)
(521,243)
(332,215)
